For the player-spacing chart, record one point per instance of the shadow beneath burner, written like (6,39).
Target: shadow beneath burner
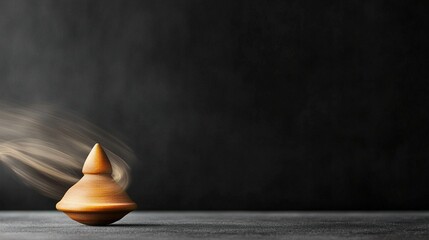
(135,225)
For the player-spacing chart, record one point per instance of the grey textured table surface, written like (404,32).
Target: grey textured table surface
(221,225)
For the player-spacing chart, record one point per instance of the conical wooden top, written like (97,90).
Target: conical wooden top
(96,199)
(97,162)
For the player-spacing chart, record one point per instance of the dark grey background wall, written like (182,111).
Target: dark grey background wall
(235,104)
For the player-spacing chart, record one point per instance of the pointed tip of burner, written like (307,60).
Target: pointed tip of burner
(97,162)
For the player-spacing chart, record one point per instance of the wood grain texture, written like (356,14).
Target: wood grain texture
(96,199)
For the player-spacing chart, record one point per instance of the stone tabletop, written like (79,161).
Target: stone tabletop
(221,225)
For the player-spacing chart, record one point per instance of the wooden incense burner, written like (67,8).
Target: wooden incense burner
(96,199)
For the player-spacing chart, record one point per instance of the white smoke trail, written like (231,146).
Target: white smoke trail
(46,147)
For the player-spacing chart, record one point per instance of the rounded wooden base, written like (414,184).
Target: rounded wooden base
(96,218)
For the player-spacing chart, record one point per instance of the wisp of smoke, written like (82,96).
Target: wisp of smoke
(46,147)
